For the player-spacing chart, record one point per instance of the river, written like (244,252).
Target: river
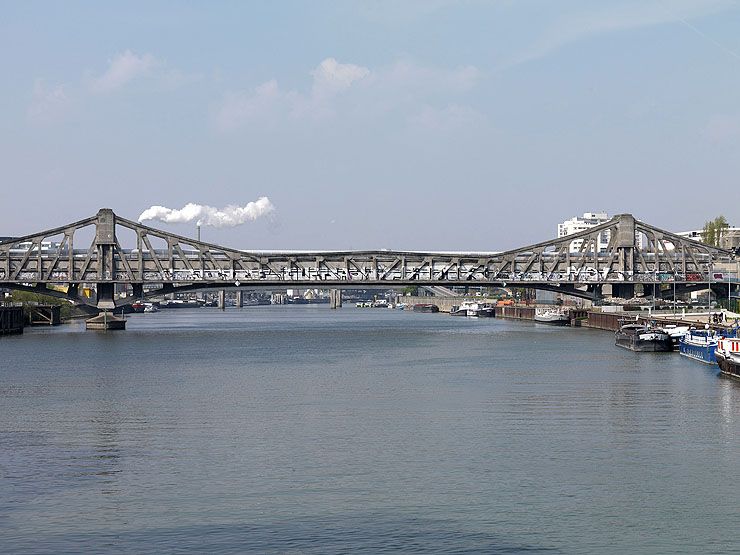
(307,430)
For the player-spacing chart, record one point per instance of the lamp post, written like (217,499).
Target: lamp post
(709,291)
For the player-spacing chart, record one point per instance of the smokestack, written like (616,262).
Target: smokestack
(198,226)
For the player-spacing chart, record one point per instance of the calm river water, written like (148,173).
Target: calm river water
(306,430)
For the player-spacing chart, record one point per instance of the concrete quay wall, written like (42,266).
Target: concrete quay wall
(596,319)
(516,312)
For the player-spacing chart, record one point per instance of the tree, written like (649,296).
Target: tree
(720,227)
(714,230)
(707,234)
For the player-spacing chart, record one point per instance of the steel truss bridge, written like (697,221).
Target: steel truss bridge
(57,262)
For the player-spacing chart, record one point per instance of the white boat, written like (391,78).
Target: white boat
(150,307)
(552,315)
(675,333)
(473,309)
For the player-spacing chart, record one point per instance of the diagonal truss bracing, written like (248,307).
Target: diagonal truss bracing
(90,252)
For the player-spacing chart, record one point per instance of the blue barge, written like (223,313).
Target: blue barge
(699,345)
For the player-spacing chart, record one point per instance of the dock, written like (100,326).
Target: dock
(44,314)
(596,318)
(11,318)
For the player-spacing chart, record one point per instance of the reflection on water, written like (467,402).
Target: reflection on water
(305,430)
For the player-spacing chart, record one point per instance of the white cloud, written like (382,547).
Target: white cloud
(605,18)
(51,103)
(352,89)
(447,118)
(331,77)
(408,76)
(238,108)
(48,104)
(121,70)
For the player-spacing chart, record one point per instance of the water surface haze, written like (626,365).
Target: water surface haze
(307,430)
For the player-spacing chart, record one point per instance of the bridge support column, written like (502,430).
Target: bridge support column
(239,299)
(105,296)
(222,299)
(623,290)
(335,298)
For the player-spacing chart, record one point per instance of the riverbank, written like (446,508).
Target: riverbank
(597,318)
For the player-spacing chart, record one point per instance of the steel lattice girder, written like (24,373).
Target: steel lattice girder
(659,256)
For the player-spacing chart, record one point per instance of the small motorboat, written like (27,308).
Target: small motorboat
(552,315)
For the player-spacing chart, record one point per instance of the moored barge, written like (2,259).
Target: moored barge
(426,307)
(727,354)
(699,345)
(640,338)
(474,309)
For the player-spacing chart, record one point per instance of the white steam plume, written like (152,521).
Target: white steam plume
(230,216)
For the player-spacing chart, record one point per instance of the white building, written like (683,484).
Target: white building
(587,221)
(730,237)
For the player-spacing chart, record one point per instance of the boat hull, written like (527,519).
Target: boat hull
(728,366)
(485,312)
(180,304)
(636,344)
(427,308)
(703,352)
(553,320)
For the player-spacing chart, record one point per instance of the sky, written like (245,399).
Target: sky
(420,125)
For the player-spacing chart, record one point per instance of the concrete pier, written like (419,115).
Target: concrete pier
(105,321)
(239,299)
(335,298)
(222,299)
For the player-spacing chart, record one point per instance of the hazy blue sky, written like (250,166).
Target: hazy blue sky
(378,124)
